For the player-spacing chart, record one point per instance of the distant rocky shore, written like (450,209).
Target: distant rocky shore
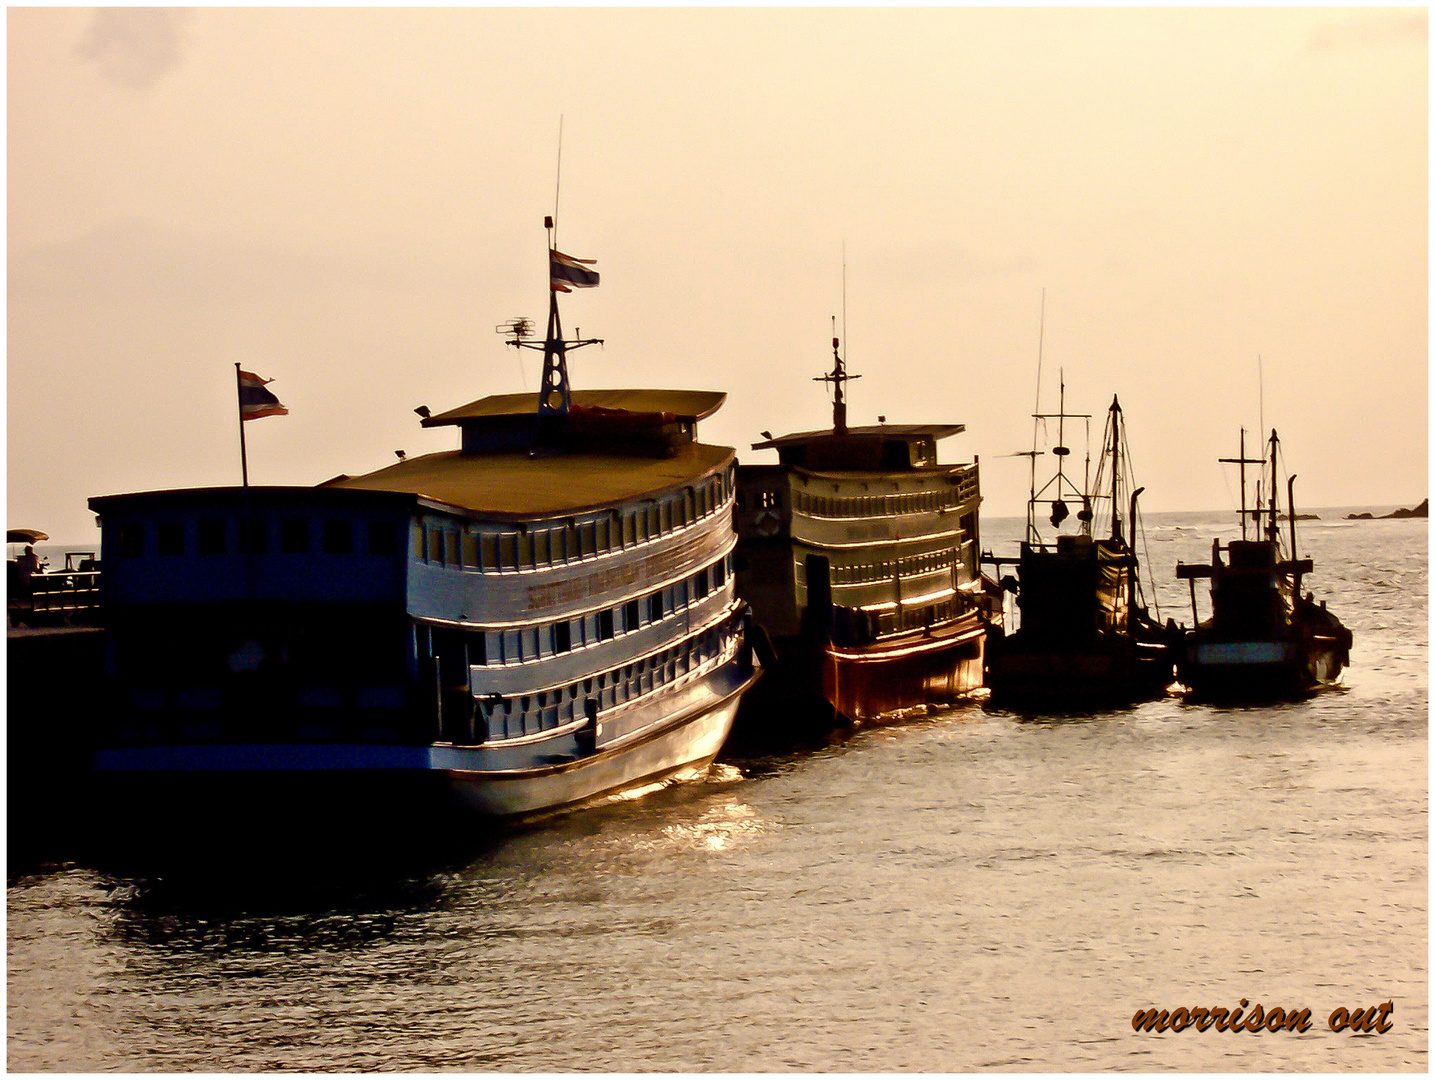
(1421,511)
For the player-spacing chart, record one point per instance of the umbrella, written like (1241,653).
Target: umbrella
(25,536)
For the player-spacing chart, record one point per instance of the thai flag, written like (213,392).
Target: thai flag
(567,273)
(254,400)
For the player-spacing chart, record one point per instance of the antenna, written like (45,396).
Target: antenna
(1036,424)
(838,376)
(1040,341)
(557,182)
(1260,393)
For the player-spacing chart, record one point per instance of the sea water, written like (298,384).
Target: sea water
(974,890)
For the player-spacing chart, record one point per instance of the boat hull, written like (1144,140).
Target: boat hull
(910,671)
(399,784)
(1119,674)
(1258,670)
(810,686)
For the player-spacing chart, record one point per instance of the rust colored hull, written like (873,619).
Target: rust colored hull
(909,671)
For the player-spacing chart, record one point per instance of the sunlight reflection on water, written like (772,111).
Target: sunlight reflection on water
(974,890)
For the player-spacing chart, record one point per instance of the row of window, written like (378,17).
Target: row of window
(914,617)
(536,547)
(877,505)
(258,536)
(532,714)
(862,573)
(478,647)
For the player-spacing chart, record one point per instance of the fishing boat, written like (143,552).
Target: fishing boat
(858,554)
(1085,638)
(540,618)
(1265,638)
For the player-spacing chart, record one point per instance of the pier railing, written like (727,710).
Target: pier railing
(60,598)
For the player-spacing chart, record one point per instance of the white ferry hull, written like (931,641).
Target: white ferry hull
(394,784)
(692,741)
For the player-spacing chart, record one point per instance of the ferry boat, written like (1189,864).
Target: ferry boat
(542,617)
(1085,639)
(857,552)
(1264,639)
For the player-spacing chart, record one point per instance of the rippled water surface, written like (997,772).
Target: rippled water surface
(972,891)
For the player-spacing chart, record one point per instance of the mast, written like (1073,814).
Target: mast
(839,378)
(1273,525)
(1243,461)
(1116,469)
(1063,486)
(555,397)
(1061,450)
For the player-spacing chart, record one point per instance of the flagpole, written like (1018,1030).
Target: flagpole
(239,402)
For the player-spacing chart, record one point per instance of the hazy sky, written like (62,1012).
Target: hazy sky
(348,201)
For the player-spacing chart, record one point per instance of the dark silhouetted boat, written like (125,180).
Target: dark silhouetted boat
(1084,639)
(1264,639)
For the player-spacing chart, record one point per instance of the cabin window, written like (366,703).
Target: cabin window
(338,538)
(131,540)
(488,547)
(541,556)
(655,607)
(253,536)
(630,616)
(605,624)
(562,637)
(211,537)
(508,551)
(654,522)
(468,542)
(434,546)
(700,584)
(588,539)
(383,538)
(478,648)
(170,537)
(719,573)
(525,551)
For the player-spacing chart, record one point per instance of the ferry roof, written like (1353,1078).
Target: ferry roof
(683,404)
(513,484)
(890,431)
